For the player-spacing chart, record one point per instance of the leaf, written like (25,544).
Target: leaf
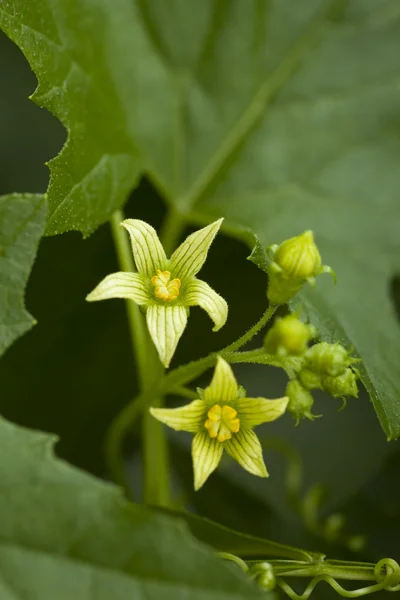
(225,539)
(22,221)
(85,57)
(76,537)
(304,137)
(279,117)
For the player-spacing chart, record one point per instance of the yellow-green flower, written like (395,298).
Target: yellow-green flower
(223,419)
(166,288)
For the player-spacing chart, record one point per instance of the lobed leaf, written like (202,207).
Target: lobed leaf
(73,536)
(22,221)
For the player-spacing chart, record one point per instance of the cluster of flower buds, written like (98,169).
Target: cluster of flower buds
(324,366)
(293,263)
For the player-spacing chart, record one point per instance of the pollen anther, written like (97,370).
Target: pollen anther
(165,288)
(222,422)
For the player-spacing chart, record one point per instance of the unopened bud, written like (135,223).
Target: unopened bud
(328,359)
(341,386)
(294,262)
(299,257)
(288,336)
(300,401)
(310,379)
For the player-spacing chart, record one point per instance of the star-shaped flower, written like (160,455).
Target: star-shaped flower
(166,288)
(223,418)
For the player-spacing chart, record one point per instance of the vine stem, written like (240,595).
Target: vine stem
(137,327)
(156,488)
(246,337)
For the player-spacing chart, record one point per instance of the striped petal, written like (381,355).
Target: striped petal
(147,250)
(206,455)
(188,259)
(254,411)
(246,449)
(166,325)
(223,387)
(185,418)
(199,293)
(121,285)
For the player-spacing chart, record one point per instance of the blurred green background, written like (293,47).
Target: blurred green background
(73,372)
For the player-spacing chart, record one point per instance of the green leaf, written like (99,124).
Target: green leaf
(303,137)
(85,56)
(225,539)
(290,125)
(22,221)
(73,536)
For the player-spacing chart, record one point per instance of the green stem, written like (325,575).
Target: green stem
(156,486)
(246,337)
(137,328)
(171,230)
(337,569)
(155,457)
(185,392)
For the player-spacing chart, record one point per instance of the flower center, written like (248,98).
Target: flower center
(165,288)
(222,422)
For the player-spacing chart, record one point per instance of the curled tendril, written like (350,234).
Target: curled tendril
(386,573)
(232,557)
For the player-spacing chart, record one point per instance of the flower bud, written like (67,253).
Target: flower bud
(328,359)
(341,386)
(300,401)
(294,262)
(288,336)
(298,257)
(310,380)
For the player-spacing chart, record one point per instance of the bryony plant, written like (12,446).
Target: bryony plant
(223,419)
(166,288)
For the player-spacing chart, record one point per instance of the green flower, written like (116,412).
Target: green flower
(166,288)
(223,419)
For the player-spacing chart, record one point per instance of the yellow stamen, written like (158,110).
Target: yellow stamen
(165,289)
(222,422)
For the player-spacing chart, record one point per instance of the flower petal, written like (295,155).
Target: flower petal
(185,418)
(254,411)
(245,447)
(206,455)
(199,293)
(147,250)
(223,386)
(166,325)
(121,285)
(190,256)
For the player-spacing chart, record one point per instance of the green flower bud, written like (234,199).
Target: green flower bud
(328,359)
(341,386)
(300,401)
(294,262)
(288,336)
(298,257)
(310,380)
